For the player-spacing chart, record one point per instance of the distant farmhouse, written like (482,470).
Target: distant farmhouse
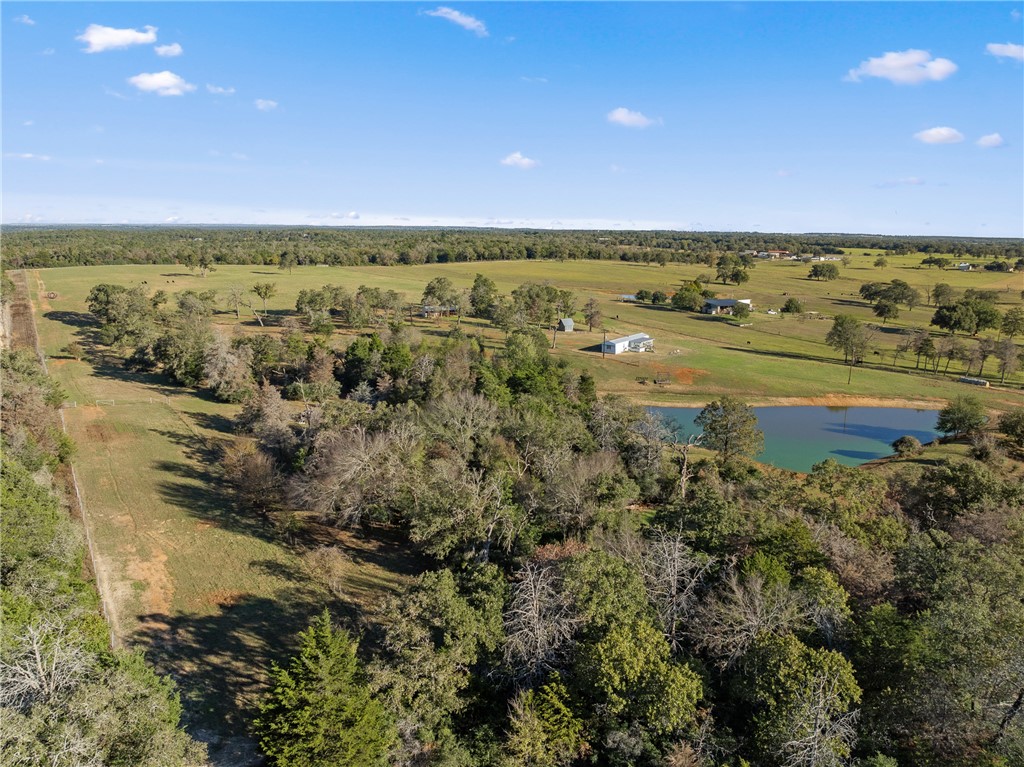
(965,267)
(426,310)
(638,342)
(724,305)
(565,325)
(771,255)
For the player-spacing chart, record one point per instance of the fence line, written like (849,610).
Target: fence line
(101,584)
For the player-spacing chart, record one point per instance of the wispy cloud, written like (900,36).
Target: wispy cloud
(940,135)
(630,119)
(29,123)
(540,80)
(1006,51)
(518,160)
(169,51)
(909,181)
(464,20)
(99,38)
(28,156)
(219,91)
(1015,14)
(265,105)
(47,52)
(24,19)
(991,141)
(161,83)
(908,67)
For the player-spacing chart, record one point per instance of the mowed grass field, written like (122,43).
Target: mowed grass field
(772,360)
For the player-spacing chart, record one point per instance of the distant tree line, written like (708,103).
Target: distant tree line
(201,248)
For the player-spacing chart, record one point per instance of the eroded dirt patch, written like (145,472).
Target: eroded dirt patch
(687,376)
(152,573)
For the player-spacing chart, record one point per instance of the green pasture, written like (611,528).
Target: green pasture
(774,356)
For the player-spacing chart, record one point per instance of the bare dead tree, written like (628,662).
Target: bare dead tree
(674,575)
(459,418)
(820,735)
(47,661)
(729,622)
(353,473)
(539,623)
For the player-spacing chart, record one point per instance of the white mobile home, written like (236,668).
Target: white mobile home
(638,342)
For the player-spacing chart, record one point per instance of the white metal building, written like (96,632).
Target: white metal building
(638,342)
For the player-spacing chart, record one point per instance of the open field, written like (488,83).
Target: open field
(772,360)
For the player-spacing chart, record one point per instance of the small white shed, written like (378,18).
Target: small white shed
(638,342)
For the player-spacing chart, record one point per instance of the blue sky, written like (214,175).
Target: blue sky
(902,118)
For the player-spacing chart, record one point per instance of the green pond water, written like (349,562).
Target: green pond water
(798,437)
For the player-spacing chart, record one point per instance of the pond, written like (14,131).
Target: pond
(798,437)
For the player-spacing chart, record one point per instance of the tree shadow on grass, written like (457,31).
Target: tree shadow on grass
(72,319)
(214,422)
(220,660)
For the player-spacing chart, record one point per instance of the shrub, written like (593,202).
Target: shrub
(907,445)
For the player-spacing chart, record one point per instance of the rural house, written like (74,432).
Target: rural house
(565,325)
(724,305)
(638,342)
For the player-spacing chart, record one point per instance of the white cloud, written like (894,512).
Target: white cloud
(219,91)
(940,135)
(169,51)
(172,219)
(161,83)
(29,123)
(903,68)
(629,118)
(100,38)
(27,156)
(990,141)
(265,105)
(24,19)
(517,160)
(1006,50)
(465,21)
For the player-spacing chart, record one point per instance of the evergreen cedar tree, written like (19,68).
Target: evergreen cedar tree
(319,710)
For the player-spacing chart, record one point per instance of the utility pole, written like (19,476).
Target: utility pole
(603,342)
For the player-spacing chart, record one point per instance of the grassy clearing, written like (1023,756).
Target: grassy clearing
(212,594)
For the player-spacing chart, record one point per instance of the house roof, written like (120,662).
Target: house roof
(630,339)
(726,301)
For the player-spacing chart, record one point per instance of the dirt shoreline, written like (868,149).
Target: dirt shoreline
(824,400)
